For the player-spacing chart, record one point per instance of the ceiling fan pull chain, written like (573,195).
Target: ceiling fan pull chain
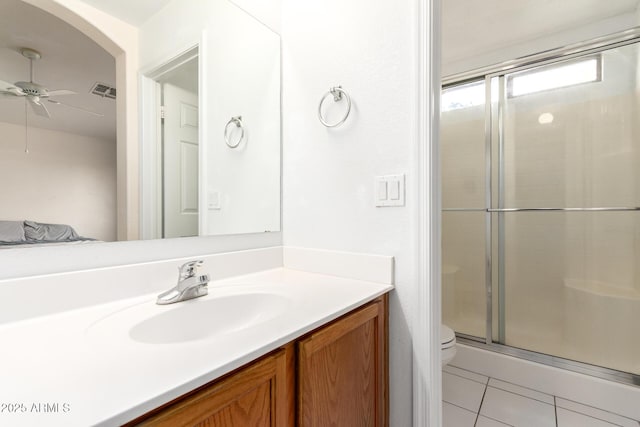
(26,128)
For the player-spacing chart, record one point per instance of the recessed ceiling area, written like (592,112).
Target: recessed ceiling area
(70,60)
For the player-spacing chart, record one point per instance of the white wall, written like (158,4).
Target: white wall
(187,20)
(329,173)
(267,12)
(65,179)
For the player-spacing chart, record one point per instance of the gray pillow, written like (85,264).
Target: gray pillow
(12,231)
(49,232)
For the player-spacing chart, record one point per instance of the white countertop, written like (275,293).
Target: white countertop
(82,376)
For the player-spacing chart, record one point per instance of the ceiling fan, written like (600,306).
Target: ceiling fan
(35,93)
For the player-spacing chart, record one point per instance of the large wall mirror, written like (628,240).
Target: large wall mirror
(210,126)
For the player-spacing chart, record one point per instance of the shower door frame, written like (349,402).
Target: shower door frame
(495,184)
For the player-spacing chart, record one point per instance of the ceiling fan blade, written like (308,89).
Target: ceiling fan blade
(8,94)
(11,88)
(5,86)
(39,107)
(61,92)
(53,101)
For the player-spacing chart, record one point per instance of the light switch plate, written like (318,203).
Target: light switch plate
(389,190)
(213,200)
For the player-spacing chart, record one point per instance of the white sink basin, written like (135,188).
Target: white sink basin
(191,320)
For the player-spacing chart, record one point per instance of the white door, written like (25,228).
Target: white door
(180,162)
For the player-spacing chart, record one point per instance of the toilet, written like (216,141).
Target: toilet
(448,340)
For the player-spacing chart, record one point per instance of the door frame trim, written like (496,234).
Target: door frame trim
(426,319)
(151,135)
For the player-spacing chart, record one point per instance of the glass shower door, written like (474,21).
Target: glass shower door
(464,201)
(541,210)
(566,203)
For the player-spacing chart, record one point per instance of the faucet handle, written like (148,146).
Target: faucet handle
(189,269)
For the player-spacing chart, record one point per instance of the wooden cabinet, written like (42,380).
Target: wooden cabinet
(333,376)
(258,395)
(342,371)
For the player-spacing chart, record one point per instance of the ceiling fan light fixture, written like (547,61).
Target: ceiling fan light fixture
(33,89)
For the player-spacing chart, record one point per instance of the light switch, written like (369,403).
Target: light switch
(389,190)
(382,190)
(394,189)
(213,200)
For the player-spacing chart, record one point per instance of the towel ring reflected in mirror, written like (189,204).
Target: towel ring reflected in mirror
(237,120)
(338,93)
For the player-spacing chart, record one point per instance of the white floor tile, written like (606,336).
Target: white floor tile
(462,392)
(573,419)
(523,391)
(517,410)
(466,374)
(454,416)
(488,422)
(596,413)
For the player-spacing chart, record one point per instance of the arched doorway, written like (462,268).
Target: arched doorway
(120,40)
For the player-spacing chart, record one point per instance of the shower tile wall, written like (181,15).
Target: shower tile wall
(572,279)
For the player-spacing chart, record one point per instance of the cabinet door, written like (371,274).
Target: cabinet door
(257,396)
(342,371)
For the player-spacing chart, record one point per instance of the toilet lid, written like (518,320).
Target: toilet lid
(447,336)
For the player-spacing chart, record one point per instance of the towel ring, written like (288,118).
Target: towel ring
(237,120)
(337,93)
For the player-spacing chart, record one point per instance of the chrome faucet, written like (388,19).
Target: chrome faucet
(190,285)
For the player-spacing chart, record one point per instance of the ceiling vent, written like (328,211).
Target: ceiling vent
(104,91)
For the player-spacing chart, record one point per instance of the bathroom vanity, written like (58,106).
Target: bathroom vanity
(335,374)
(285,336)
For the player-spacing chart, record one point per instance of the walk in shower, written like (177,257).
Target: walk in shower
(541,207)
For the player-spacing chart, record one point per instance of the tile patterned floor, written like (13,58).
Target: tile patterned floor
(474,400)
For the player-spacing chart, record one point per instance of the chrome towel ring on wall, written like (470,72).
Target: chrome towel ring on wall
(237,120)
(337,93)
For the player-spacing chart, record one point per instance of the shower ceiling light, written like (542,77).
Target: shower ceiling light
(545,118)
